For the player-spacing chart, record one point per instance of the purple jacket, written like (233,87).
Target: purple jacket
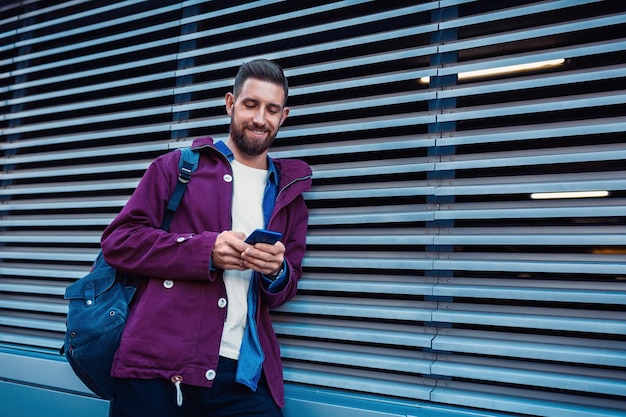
(175,325)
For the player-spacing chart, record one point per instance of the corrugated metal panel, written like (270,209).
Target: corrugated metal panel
(431,274)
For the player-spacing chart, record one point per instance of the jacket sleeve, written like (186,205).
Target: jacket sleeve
(135,243)
(295,245)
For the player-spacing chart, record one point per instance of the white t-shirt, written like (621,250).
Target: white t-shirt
(247,212)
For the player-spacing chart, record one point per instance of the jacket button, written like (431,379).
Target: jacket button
(168,283)
(228,178)
(210,375)
(221,303)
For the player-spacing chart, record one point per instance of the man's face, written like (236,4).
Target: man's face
(256,115)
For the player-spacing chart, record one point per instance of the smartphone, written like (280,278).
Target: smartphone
(263,236)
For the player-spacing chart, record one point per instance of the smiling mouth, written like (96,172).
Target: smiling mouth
(257,132)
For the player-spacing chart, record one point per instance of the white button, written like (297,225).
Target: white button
(181,239)
(228,178)
(89,302)
(221,303)
(210,375)
(168,283)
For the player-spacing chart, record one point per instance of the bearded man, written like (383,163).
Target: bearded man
(199,340)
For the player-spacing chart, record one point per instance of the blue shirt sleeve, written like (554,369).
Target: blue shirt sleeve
(274,285)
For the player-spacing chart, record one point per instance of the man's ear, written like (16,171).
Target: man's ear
(285,114)
(230,103)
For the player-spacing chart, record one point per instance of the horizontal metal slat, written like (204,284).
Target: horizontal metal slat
(45,254)
(563,78)
(611,384)
(82,58)
(67,187)
(320,217)
(66,92)
(530,132)
(89,73)
(218,13)
(100,104)
(589,49)
(357,356)
(369,260)
(363,103)
(42,236)
(56,203)
(80,137)
(343,64)
(416,388)
(545,236)
(88,120)
(45,271)
(534,106)
(19,339)
(356,308)
(81,153)
(353,331)
(561,264)
(356,146)
(312,11)
(560,291)
(30,305)
(372,168)
(327,26)
(336,282)
(532,317)
(74,170)
(137,17)
(32,287)
(71,16)
(534,32)
(542,348)
(531,209)
(377,237)
(577,154)
(609,181)
(316,48)
(532,402)
(70,221)
(30,323)
(510,12)
(357,82)
(370,190)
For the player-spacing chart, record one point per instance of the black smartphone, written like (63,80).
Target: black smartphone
(263,236)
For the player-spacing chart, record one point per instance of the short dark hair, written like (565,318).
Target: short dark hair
(261,69)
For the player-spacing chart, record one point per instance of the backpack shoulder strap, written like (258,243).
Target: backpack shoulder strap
(186,166)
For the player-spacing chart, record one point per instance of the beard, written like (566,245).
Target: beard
(250,147)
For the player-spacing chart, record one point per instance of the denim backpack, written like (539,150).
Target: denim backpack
(100,301)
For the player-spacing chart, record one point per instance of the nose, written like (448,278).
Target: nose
(259,117)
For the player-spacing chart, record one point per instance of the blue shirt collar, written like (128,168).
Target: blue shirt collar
(273,172)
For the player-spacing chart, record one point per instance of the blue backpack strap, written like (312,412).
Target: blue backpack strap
(186,166)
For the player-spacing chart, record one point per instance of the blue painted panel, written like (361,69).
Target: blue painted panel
(25,401)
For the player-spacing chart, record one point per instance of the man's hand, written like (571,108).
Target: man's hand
(227,251)
(264,258)
(231,252)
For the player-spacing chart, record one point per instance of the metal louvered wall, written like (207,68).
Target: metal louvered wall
(432,278)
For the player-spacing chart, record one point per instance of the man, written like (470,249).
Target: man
(199,340)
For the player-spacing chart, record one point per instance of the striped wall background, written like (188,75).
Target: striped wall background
(434,274)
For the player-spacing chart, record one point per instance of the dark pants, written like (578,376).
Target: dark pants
(226,398)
